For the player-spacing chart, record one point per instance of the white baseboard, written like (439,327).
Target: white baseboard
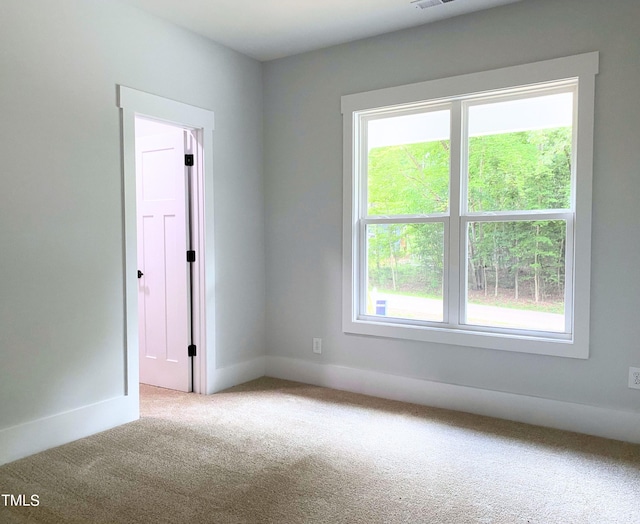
(32,437)
(590,420)
(237,374)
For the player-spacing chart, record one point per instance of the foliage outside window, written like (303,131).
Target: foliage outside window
(467,214)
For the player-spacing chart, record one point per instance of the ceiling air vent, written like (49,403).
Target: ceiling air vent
(423,4)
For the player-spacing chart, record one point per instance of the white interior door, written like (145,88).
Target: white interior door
(163,293)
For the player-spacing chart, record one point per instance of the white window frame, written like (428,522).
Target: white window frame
(569,73)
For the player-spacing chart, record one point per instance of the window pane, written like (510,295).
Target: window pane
(516,274)
(520,154)
(408,164)
(405,267)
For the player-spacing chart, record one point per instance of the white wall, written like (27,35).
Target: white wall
(303,183)
(61,260)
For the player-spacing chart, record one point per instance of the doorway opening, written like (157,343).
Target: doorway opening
(168,228)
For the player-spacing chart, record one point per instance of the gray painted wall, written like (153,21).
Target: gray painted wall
(303,194)
(61,254)
(61,259)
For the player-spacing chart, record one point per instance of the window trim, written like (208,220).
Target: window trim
(446,91)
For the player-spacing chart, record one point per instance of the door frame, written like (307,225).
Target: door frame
(201,121)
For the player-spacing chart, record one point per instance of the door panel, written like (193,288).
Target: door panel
(162,244)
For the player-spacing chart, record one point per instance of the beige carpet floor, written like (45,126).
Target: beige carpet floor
(272,451)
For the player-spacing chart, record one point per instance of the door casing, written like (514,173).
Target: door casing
(201,122)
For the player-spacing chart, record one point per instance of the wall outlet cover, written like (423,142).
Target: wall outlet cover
(634,378)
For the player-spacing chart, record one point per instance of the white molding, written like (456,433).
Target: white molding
(138,103)
(230,376)
(580,418)
(39,435)
(471,83)
(559,73)
(32,437)
(165,109)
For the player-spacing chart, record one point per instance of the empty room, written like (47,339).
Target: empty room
(342,261)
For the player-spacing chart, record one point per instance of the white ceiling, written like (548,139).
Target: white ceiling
(268,29)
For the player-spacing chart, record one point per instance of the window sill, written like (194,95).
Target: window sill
(558,345)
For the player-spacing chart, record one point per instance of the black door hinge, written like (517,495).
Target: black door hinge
(191,350)
(191,256)
(188,160)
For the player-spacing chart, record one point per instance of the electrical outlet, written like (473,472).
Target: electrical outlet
(317,345)
(634,378)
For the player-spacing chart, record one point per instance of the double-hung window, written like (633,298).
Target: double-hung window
(467,209)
